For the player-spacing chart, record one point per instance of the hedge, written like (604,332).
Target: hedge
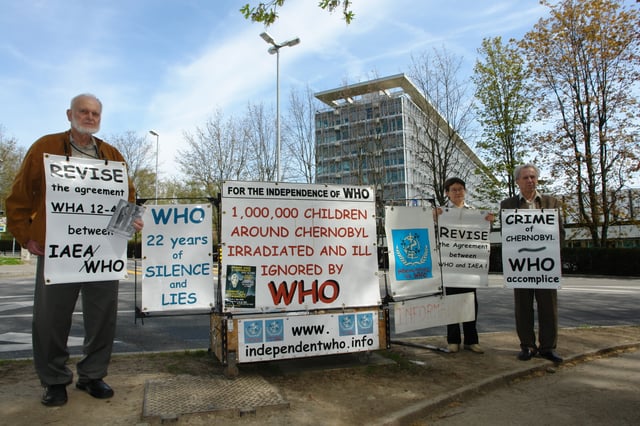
(587,261)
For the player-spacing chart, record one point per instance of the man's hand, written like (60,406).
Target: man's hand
(138,224)
(34,248)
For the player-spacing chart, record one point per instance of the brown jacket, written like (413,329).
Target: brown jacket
(25,205)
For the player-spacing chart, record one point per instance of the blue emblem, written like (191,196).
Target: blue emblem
(347,324)
(253,331)
(274,330)
(412,253)
(365,323)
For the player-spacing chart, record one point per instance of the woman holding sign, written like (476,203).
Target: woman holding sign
(455,189)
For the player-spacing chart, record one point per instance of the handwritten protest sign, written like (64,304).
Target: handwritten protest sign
(81,196)
(531,248)
(298,247)
(432,311)
(177,258)
(413,264)
(464,247)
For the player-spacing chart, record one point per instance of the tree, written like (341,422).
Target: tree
(10,158)
(446,121)
(214,154)
(500,78)
(299,135)
(137,152)
(259,135)
(586,67)
(267,12)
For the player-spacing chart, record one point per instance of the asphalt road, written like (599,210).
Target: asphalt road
(583,301)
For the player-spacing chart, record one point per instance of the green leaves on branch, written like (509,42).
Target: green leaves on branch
(267,12)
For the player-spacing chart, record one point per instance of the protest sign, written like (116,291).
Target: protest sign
(464,247)
(297,336)
(432,311)
(531,248)
(177,258)
(298,247)
(81,197)
(413,259)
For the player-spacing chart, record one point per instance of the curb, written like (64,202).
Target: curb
(422,409)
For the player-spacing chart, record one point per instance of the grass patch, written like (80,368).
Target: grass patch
(10,261)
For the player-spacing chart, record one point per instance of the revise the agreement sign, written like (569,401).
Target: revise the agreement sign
(464,247)
(292,247)
(81,197)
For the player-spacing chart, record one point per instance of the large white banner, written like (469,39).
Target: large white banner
(81,196)
(531,248)
(298,336)
(464,247)
(177,258)
(289,247)
(413,252)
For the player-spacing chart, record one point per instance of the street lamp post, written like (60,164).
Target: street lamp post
(157,145)
(275,48)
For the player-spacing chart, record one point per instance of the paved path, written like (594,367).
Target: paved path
(599,392)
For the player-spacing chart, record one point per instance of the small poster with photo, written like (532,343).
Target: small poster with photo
(240,287)
(121,222)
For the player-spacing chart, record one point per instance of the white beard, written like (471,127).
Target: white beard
(83,129)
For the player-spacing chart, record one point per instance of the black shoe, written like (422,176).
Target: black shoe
(54,395)
(551,356)
(526,354)
(96,388)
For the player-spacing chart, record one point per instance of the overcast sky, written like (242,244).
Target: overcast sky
(167,65)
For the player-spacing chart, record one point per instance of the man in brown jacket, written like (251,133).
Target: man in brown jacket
(526,177)
(54,304)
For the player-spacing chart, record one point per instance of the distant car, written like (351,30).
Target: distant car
(568,266)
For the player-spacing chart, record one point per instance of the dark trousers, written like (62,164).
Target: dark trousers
(53,308)
(547,304)
(469,327)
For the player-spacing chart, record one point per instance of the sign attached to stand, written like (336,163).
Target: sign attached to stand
(464,247)
(298,336)
(433,311)
(81,197)
(292,247)
(177,258)
(531,248)
(413,252)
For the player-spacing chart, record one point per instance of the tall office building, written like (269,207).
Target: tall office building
(385,133)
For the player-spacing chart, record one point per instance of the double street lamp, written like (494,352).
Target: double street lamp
(275,48)
(157,144)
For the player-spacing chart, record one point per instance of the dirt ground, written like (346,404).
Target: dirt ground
(333,390)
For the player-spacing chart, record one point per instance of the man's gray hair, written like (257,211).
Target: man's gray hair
(84,95)
(516,172)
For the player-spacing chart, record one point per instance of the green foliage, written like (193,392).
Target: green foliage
(267,12)
(500,78)
(585,60)
(10,159)
(10,261)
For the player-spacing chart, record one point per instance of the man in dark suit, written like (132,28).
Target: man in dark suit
(526,177)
